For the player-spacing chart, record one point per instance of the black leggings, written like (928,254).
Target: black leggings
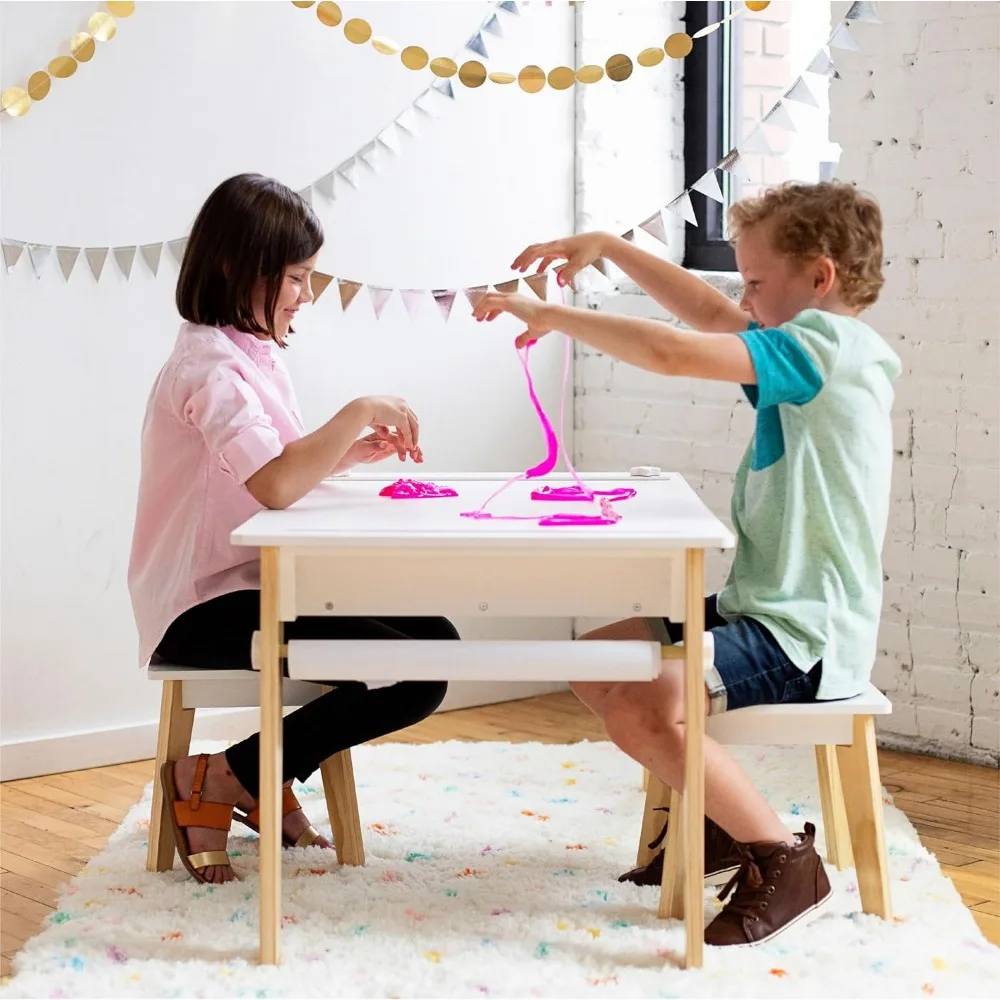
(216,635)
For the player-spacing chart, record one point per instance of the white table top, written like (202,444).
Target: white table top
(347,512)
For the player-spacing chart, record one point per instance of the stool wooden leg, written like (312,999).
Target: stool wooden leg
(342,806)
(645,780)
(657,796)
(672,886)
(173,741)
(831,794)
(863,802)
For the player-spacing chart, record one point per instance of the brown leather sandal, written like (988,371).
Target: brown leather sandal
(195,811)
(289,804)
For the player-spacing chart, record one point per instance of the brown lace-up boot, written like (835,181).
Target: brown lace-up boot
(776,886)
(721,856)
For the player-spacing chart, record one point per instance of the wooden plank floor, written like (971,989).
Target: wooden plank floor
(50,827)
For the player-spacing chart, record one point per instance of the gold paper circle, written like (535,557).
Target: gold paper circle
(358,31)
(531,79)
(39,85)
(756,5)
(561,78)
(102,26)
(678,45)
(385,45)
(15,101)
(121,8)
(650,57)
(590,74)
(298,3)
(329,14)
(472,73)
(619,67)
(502,77)
(414,57)
(62,67)
(82,46)
(443,66)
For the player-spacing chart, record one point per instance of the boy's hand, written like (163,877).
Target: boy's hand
(578,252)
(530,311)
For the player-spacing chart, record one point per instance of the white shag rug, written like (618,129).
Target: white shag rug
(491,873)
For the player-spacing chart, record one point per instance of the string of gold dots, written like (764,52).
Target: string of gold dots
(101,27)
(531,79)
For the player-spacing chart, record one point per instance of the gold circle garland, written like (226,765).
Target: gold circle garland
(532,79)
(101,27)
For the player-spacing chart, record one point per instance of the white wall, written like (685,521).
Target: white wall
(125,152)
(917,119)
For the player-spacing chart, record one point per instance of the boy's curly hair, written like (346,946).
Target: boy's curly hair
(830,219)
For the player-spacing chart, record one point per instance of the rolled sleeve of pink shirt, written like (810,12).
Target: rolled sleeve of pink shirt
(230,416)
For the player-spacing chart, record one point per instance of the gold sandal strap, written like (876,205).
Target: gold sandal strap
(308,837)
(206,858)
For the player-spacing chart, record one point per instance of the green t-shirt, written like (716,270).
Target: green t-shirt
(811,496)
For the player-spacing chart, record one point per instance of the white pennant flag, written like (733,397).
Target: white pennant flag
(349,172)
(682,206)
(707,30)
(38,255)
(96,256)
(822,64)
(427,102)
(124,257)
(799,91)
(781,117)
(411,300)
(842,39)
(708,185)
(151,255)
(380,296)
(67,257)
(862,11)
(756,142)
(177,248)
(389,138)
(407,121)
(325,185)
(445,299)
(12,251)
(306,195)
(369,156)
(654,226)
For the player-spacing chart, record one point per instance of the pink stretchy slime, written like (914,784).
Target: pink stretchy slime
(571,493)
(413,489)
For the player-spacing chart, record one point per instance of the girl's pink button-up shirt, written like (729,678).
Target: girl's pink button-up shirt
(222,407)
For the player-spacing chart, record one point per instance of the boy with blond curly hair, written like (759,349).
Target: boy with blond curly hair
(798,618)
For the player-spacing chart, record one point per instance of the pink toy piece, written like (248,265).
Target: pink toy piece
(414,489)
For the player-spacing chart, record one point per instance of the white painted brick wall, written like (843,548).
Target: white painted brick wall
(916,115)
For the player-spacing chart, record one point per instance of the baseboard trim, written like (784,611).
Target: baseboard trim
(101,747)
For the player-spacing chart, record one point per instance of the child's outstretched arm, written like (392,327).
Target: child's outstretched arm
(692,300)
(645,343)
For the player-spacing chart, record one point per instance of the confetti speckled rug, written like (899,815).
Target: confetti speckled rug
(491,873)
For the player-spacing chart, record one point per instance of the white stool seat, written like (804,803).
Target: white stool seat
(228,688)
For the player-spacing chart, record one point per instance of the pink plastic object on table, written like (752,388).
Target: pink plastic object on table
(414,489)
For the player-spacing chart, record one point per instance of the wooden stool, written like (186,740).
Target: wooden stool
(188,688)
(843,733)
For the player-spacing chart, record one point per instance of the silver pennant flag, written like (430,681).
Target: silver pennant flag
(349,172)
(493,26)
(325,185)
(125,257)
(477,45)
(862,11)
(682,206)
(96,256)
(708,185)
(151,255)
(474,293)
(444,88)
(842,39)
(389,138)
(12,251)
(600,265)
(407,121)
(38,255)
(781,117)
(509,6)
(822,64)
(508,287)
(799,91)
(707,30)
(177,248)
(380,296)
(654,226)
(629,236)
(411,300)
(756,142)
(539,284)
(733,164)
(445,299)
(306,194)
(67,257)
(369,156)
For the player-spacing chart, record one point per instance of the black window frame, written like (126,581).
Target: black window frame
(705,245)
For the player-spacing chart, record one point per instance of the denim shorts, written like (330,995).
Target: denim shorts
(750,667)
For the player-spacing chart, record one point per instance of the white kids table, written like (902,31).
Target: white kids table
(344,550)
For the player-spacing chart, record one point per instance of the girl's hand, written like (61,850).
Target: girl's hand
(376,447)
(530,311)
(578,252)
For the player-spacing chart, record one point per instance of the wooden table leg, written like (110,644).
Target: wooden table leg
(270,760)
(694,759)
